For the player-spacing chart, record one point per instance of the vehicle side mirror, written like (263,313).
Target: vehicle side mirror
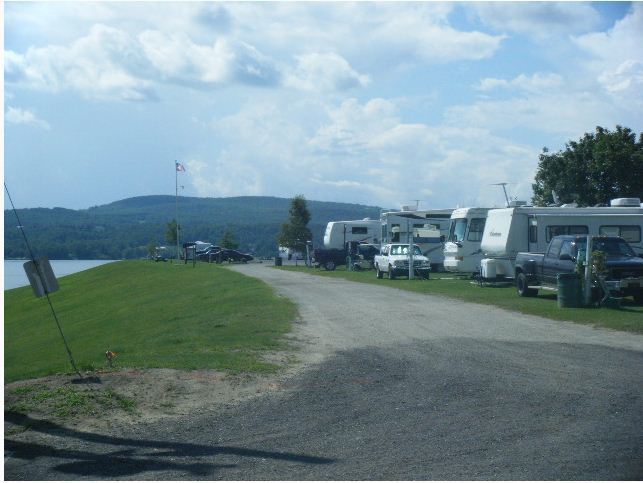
(565,256)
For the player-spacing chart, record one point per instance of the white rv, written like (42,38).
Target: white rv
(462,250)
(530,228)
(339,232)
(427,228)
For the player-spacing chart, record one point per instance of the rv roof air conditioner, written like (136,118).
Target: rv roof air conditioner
(626,202)
(514,203)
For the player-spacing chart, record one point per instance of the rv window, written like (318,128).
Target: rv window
(555,230)
(631,234)
(359,230)
(533,230)
(458,229)
(476,228)
(554,248)
(418,225)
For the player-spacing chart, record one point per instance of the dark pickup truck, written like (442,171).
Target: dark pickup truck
(362,254)
(624,269)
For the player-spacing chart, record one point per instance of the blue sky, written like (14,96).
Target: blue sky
(374,103)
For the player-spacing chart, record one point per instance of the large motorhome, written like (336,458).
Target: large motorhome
(462,250)
(339,232)
(427,228)
(530,228)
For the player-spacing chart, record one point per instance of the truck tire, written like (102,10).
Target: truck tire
(391,273)
(378,272)
(523,287)
(329,265)
(638,297)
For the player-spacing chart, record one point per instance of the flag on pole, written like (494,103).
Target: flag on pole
(179,166)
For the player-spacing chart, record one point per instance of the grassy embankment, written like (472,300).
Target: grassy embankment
(628,318)
(152,315)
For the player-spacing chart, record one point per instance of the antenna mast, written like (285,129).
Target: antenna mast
(504,191)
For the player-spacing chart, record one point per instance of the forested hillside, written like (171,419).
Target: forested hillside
(125,228)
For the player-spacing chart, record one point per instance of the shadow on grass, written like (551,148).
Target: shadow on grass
(128,459)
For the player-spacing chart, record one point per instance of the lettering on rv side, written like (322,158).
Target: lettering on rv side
(494,233)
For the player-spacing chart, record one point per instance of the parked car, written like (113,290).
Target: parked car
(228,255)
(330,258)
(624,268)
(394,260)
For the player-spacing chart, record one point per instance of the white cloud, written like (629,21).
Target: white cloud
(15,115)
(617,57)
(535,83)
(564,114)
(324,72)
(361,152)
(100,65)
(538,19)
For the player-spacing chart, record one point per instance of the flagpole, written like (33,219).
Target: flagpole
(176,207)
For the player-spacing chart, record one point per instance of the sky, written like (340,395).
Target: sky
(385,104)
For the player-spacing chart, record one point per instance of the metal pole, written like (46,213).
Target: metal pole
(410,237)
(588,271)
(176,207)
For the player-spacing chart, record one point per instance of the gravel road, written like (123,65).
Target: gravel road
(392,385)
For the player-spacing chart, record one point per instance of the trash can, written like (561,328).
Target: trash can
(569,290)
(278,261)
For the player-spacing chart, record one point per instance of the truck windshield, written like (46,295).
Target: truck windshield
(404,250)
(611,248)
(457,229)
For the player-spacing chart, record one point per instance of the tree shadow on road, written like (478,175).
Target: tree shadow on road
(161,455)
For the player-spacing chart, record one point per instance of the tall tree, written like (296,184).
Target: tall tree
(228,241)
(597,168)
(295,233)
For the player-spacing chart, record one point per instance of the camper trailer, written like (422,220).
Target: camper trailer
(462,250)
(530,228)
(338,233)
(427,228)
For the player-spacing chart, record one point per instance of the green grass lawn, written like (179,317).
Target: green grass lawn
(151,315)
(628,318)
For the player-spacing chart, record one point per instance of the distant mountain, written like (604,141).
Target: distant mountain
(124,229)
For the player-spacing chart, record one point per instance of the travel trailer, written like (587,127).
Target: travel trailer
(462,250)
(530,228)
(364,231)
(427,228)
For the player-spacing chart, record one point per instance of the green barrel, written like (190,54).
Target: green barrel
(569,290)
(278,261)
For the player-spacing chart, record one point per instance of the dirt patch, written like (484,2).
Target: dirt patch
(111,399)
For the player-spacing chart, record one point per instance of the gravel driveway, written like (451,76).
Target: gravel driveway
(393,385)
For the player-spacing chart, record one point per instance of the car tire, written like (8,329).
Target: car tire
(522,286)
(391,273)
(378,272)
(330,265)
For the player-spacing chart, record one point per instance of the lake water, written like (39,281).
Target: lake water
(15,276)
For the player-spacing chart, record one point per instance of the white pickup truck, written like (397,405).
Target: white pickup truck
(394,260)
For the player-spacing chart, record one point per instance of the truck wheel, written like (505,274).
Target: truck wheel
(638,297)
(330,265)
(378,272)
(391,273)
(523,286)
